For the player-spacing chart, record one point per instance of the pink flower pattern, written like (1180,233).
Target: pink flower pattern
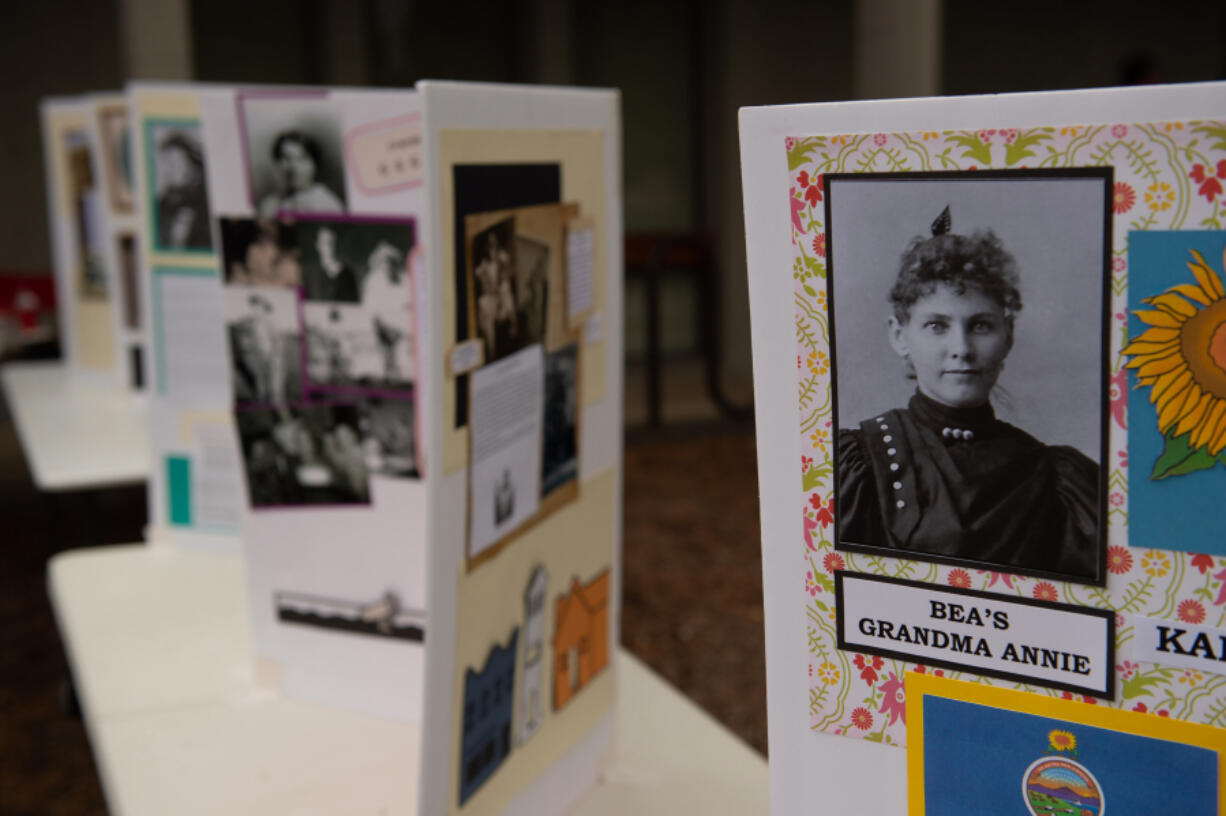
(893,699)
(1202,600)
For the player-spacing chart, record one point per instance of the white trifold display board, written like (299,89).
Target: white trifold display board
(345,287)
(833,701)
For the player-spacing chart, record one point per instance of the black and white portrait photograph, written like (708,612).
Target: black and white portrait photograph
(559,457)
(294,154)
(968,326)
(260,252)
(342,349)
(263,333)
(303,455)
(353,261)
(181,206)
(388,428)
(492,252)
(504,497)
(532,287)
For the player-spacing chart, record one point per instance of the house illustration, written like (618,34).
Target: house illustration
(488,697)
(581,637)
(530,685)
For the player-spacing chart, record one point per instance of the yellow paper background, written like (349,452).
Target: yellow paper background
(489,602)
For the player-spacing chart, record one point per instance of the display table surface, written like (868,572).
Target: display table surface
(77,433)
(159,644)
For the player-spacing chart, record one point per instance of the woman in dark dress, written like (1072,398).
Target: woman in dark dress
(943,476)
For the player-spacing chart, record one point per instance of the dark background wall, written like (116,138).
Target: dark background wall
(684,69)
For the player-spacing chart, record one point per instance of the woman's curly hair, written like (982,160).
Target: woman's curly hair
(975,261)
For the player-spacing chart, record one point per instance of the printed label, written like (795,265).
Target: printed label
(385,156)
(466,356)
(1174,643)
(1030,641)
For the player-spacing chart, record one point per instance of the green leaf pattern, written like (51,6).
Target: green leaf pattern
(854,694)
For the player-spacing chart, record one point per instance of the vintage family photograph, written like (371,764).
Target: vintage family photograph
(116,158)
(294,154)
(359,302)
(509,280)
(181,204)
(264,340)
(560,453)
(968,329)
(296,455)
(342,349)
(260,252)
(389,437)
(87,216)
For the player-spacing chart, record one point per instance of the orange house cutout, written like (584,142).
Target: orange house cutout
(581,637)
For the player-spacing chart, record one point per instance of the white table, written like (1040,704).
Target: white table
(158,640)
(77,433)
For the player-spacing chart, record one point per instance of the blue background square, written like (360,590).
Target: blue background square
(975,758)
(1179,512)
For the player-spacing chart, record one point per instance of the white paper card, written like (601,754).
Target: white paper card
(1173,643)
(192,362)
(216,488)
(506,446)
(580,271)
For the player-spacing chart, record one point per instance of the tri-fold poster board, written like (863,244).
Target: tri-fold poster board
(991,400)
(91,215)
(384,333)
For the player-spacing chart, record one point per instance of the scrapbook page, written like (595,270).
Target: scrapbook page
(112,150)
(77,215)
(316,302)
(999,387)
(522,202)
(194,484)
(373,418)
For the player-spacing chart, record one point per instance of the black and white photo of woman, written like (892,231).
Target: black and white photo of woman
(938,472)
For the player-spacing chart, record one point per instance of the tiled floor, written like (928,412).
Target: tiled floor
(692,595)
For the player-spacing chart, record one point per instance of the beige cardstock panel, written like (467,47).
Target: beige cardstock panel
(92,336)
(490,603)
(580,154)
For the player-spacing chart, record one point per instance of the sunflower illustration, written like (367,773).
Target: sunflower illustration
(1062,741)
(1181,358)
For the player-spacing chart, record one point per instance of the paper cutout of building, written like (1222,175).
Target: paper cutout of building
(488,697)
(530,676)
(581,637)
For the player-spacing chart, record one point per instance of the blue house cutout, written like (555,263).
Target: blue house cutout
(488,703)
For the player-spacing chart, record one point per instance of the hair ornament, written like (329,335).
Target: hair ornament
(943,224)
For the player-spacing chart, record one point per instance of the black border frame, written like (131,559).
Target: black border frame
(1092,611)
(1107,175)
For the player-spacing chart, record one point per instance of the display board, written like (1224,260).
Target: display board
(385,355)
(79,214)
(523,207)
(111,143)
(989,430)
